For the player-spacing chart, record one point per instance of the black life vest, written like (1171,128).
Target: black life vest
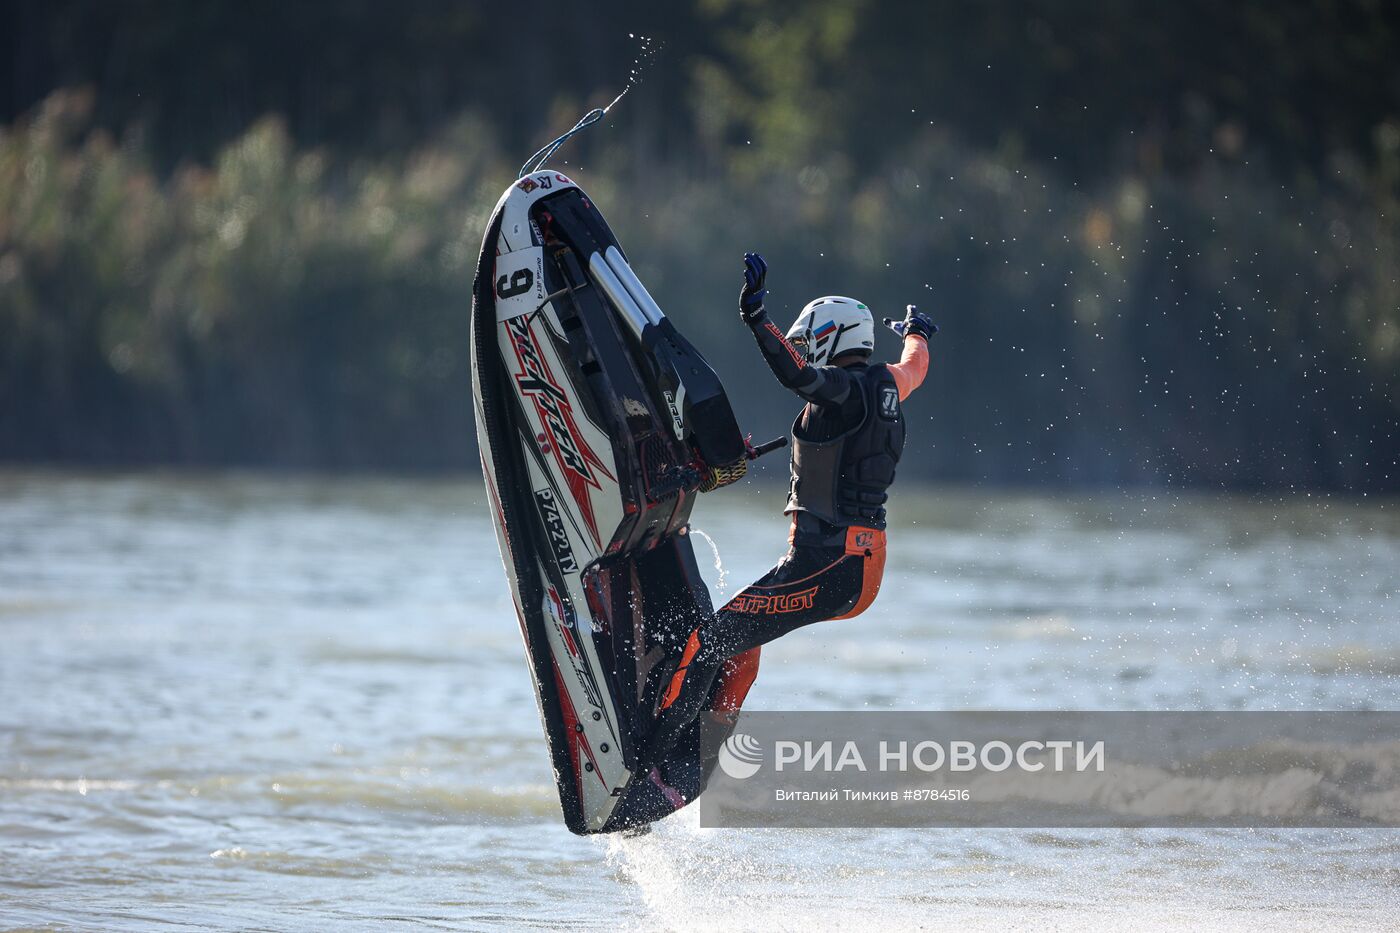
(844,480)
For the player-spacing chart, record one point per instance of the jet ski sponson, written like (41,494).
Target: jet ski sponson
(598,423)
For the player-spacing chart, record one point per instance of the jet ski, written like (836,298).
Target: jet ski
(598,425)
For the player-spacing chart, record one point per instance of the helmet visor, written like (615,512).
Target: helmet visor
(800,335)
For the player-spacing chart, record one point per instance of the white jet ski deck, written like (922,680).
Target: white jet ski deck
(597,423)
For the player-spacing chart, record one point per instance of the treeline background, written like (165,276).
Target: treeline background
(1161,239)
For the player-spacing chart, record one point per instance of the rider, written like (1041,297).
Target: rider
(845,444)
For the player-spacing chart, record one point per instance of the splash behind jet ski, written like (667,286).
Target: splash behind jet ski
(598,424)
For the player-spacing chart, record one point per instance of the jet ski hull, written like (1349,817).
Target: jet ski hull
(595,419)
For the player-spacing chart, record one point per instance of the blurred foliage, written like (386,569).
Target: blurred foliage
(263,309)
(1162,243)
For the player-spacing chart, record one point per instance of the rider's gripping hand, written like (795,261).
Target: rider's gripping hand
(915,324)
(751,297)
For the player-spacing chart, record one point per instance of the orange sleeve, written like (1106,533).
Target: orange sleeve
(912,367)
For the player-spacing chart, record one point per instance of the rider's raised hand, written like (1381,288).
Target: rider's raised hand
(752,295)
(915,324)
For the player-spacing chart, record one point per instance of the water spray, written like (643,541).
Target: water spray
(645,57)
(719,565)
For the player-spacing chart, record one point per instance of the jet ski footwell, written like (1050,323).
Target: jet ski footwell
(597,423)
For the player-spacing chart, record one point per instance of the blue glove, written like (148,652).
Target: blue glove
(915,324)
(752,295)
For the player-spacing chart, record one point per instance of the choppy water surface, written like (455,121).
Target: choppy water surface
(302,705)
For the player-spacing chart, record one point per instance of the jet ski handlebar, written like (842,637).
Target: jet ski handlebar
(777,443)
(700,476)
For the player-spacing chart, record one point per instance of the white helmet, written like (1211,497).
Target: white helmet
(831,326)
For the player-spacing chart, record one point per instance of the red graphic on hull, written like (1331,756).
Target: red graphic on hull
(577,739)
(577,462)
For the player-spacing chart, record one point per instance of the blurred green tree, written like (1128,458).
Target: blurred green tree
(1163,241)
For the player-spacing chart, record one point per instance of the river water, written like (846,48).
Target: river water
(301,704)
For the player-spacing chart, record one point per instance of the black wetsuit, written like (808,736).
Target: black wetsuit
(852,432)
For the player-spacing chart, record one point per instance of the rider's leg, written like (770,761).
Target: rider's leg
(808,585)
